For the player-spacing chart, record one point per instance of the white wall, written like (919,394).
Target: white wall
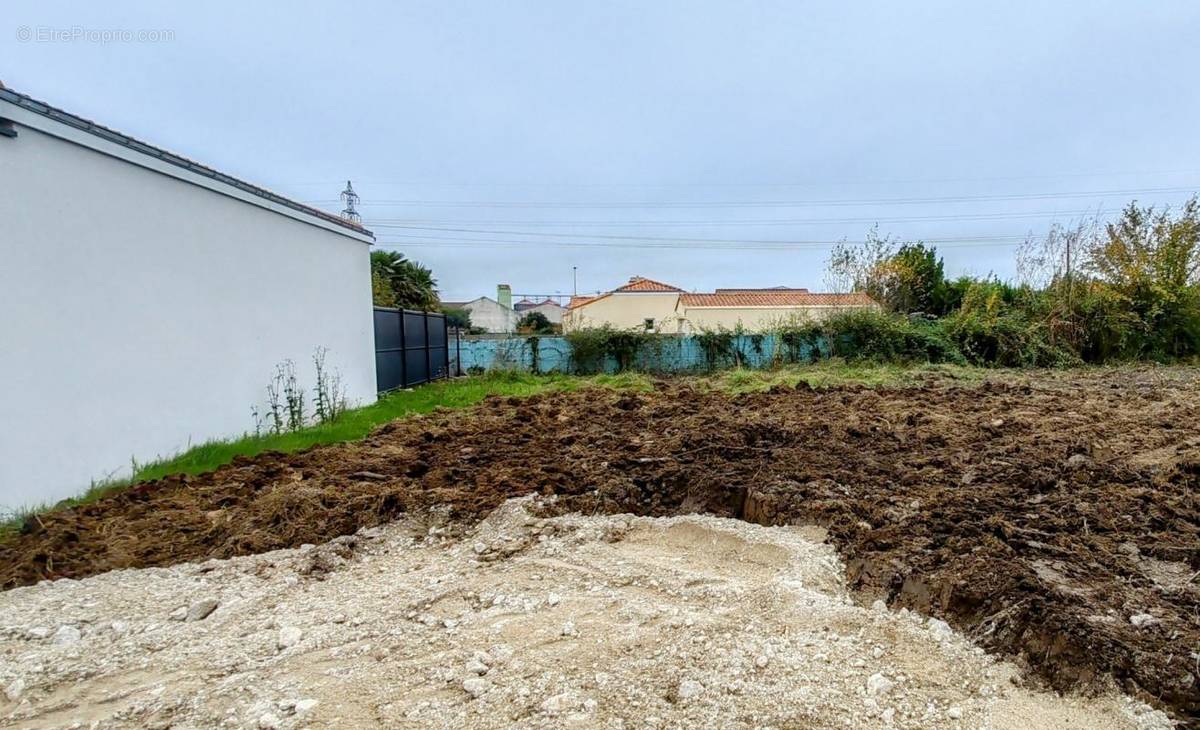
(626,310)
(552,312)
(491,316)
(140,314)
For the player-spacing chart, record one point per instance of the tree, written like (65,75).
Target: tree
(1151,260)
(904,278)
(457,317)
(913,280)
(412,285)
(381,291)
(853,266)
(535,323)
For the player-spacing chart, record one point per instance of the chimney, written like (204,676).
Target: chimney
(504,295)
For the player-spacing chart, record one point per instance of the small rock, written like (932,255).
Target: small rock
(476,687)
(688,689)
(888,715)
(878,685)
(269,722)
(306,705)
(479,548)
(288,636)
(1143,619)
(954,713)
(484,657)
(553,599)
(38,632)
(568,629)
(879,606)
(761,661)
(1078,461)
(559,703)
(178,614)
(14,689)
(200,610)
(67,634)
(474,666)
(940,629)
(877,652)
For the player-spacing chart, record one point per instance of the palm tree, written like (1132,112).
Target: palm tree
(412,284)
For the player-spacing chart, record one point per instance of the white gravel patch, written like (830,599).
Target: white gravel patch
(610,622)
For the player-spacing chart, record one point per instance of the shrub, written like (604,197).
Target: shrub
(458,317)
(535,323)
(803,340)
(997,325)
(868,334)
(591,347)
(718,347)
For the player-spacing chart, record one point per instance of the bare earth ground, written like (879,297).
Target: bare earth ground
(574,621)
(1054,518)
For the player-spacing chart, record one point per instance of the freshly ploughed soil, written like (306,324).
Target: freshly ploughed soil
(1054,517)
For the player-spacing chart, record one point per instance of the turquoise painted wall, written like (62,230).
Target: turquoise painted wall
(664,353)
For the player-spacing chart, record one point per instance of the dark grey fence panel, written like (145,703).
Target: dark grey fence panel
(410,348)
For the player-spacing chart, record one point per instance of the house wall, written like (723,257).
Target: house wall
(553,312)
(143,314)
(751,319)
(490,316)
(626,310)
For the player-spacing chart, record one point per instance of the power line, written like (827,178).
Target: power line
(632,238)
(459,242)
(772,203)
(390,222)
(792,184)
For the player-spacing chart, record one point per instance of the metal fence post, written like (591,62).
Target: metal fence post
(428,354)
(403,352)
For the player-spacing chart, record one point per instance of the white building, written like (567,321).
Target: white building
(145,301)
(548,308)
(491,315)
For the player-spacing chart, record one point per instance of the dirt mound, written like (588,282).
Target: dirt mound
(1056,519)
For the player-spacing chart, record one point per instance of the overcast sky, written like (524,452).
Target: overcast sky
(612,135)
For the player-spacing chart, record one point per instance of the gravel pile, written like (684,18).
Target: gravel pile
(614,621)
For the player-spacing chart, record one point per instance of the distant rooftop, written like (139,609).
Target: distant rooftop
(774,298)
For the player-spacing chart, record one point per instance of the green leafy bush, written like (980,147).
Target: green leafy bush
(591,347)
(868,334)
(718,347)
(802,341)
(998,324)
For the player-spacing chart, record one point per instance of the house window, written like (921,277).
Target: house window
(649,322)
(7,129)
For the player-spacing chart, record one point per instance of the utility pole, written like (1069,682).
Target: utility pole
(574,281)
(350,198)
(1070,292)
(1069,287)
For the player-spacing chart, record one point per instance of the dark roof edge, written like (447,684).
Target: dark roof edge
(86,125)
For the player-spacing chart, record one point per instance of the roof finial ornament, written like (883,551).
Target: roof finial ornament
(350,198)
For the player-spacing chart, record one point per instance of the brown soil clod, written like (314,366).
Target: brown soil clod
(1056,518)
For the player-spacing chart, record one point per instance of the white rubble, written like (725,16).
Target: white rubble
(581,621)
